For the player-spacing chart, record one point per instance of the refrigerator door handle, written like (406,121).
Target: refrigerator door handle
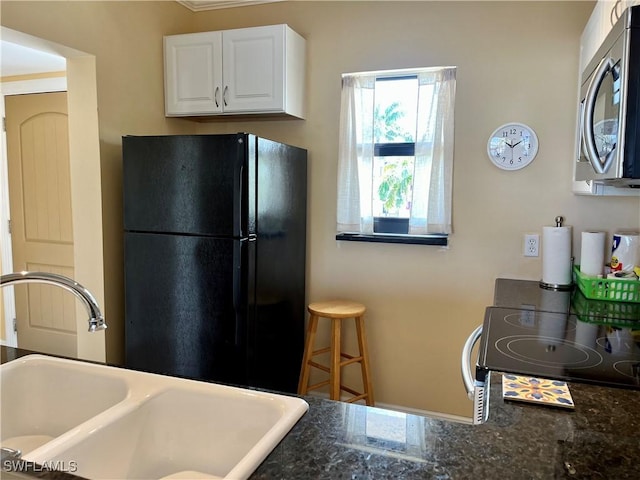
(239,290)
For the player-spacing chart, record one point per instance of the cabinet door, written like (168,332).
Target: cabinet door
(254,66)
(193,73)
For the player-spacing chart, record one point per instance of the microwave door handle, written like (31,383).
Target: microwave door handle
(467,375)
(591,151)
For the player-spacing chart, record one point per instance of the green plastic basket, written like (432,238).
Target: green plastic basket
(607,288)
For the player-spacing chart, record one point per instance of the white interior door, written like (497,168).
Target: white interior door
(41,222)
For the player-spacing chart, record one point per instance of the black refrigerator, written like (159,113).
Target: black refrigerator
(214,252)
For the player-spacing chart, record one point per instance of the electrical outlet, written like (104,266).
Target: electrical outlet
(531,244)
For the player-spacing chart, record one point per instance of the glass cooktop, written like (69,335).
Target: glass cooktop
(533,331)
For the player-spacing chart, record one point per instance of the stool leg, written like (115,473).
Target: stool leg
(334,373)
(364,363)
(308,353)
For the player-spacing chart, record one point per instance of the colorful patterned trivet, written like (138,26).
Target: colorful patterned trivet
(536,390)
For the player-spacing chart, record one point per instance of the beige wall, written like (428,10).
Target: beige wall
(517,61)
(126,39)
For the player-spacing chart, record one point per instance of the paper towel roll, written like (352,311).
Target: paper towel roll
(556,256)
(592,253)
(625,252)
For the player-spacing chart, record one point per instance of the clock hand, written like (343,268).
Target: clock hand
(515,144)
(510,146)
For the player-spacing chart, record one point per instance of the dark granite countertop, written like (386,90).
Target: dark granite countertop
(599,439)
(334,440)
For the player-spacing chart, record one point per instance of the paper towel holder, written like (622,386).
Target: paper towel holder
(551,286)
(559,288)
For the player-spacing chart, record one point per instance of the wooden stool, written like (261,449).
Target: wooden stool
(336,310)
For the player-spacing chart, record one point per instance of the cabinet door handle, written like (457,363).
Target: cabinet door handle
(224,95)
(216,94)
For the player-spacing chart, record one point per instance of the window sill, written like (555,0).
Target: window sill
(439,240)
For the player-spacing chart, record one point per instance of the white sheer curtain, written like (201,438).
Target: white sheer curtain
(433,167)
(431,202)
(355,157)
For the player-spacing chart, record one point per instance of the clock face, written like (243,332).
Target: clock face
(512,146)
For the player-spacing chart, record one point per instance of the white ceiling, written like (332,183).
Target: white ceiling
(18,60)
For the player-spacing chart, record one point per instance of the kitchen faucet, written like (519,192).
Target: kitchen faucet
(96,319)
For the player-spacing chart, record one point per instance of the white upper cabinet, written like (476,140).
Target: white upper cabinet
(257,70)
(604,16)
(593,33)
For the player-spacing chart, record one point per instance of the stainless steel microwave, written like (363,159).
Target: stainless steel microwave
(609,130)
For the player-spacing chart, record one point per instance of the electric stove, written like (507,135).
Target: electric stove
(534,331)
(560,346)
(552,334)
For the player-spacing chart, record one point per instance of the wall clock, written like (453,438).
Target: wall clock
(512,146)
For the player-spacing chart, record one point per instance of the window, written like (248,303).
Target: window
(394,132)
(396,156)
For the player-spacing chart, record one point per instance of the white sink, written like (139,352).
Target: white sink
(156,426)
(41,399)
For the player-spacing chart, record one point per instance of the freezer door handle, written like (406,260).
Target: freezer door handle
(239,188)
(241,215)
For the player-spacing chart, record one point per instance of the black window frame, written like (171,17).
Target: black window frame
(395,149)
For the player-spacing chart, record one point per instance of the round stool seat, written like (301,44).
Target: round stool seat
(337,309)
